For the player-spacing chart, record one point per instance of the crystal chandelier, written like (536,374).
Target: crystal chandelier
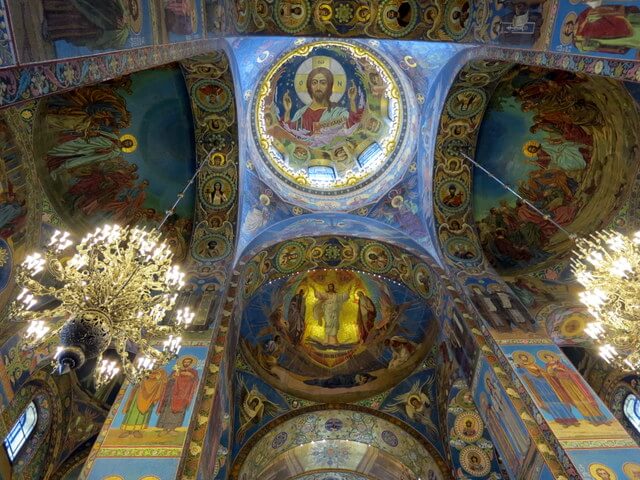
(607,265)
(115,288)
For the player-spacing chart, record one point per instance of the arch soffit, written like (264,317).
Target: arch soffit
(378,416)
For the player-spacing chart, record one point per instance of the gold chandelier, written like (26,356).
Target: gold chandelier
(117,290)
(607,265)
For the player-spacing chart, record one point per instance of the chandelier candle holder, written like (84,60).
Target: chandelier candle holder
(116,288)
(607,266)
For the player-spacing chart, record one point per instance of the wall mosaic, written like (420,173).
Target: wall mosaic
(7,53)
(120,152)
(256,403)
(307,253)
(210,84)
(329,120)
(470,449)
(335,334)
(572,410)
(506,425)
(597,28)
(19,85)
(515,24)
(42,29)
(151,419)
(348,425)
(554,136)
(414,402)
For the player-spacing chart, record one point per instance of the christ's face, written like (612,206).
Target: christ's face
(331,287)
(603,474)
(186,363)
(320,87)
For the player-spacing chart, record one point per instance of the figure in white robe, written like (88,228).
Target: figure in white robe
(327,311)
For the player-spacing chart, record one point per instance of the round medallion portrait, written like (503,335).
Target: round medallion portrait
(211,95)
(211,247)
(292,16)
(474,461)
(469,427)
(329,118)
(217,192)
(398,18)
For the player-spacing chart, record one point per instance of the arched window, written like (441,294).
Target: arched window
(632,410)
(21,431)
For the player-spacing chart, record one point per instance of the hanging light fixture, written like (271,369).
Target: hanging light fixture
(115,288)
(607,264)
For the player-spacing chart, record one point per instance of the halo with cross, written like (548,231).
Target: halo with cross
(333,65)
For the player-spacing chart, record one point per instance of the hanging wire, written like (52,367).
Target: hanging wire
(546,216)
(180,196)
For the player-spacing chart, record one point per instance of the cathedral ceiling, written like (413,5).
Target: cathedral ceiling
(556,138)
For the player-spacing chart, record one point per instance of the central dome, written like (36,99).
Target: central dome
(329,119)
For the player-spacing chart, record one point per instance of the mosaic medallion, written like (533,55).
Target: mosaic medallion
(292,17)
(458,18)
(452,195)
(211,95)
(290,257)
(469,426)
(461,249)
(474,461)
(376,257)
(218,192)
(422,280)
(329,118)
(212,247)
(333,424)
(389,438)
(397,18)
(466,102)
(279,439)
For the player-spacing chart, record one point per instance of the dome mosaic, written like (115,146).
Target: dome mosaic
(329,118)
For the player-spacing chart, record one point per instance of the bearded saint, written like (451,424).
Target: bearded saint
(321,112)
(178,394)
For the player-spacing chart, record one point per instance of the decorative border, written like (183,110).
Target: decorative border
(23,83)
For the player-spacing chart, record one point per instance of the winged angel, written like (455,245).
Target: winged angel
(255,406)
(415,404)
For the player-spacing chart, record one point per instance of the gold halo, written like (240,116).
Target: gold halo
(518,353)
(113,477)
(544,353)
(630,469)
(334,66)
(134,141)
(567,39)
(573,325)
(530,143)
(597,466)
